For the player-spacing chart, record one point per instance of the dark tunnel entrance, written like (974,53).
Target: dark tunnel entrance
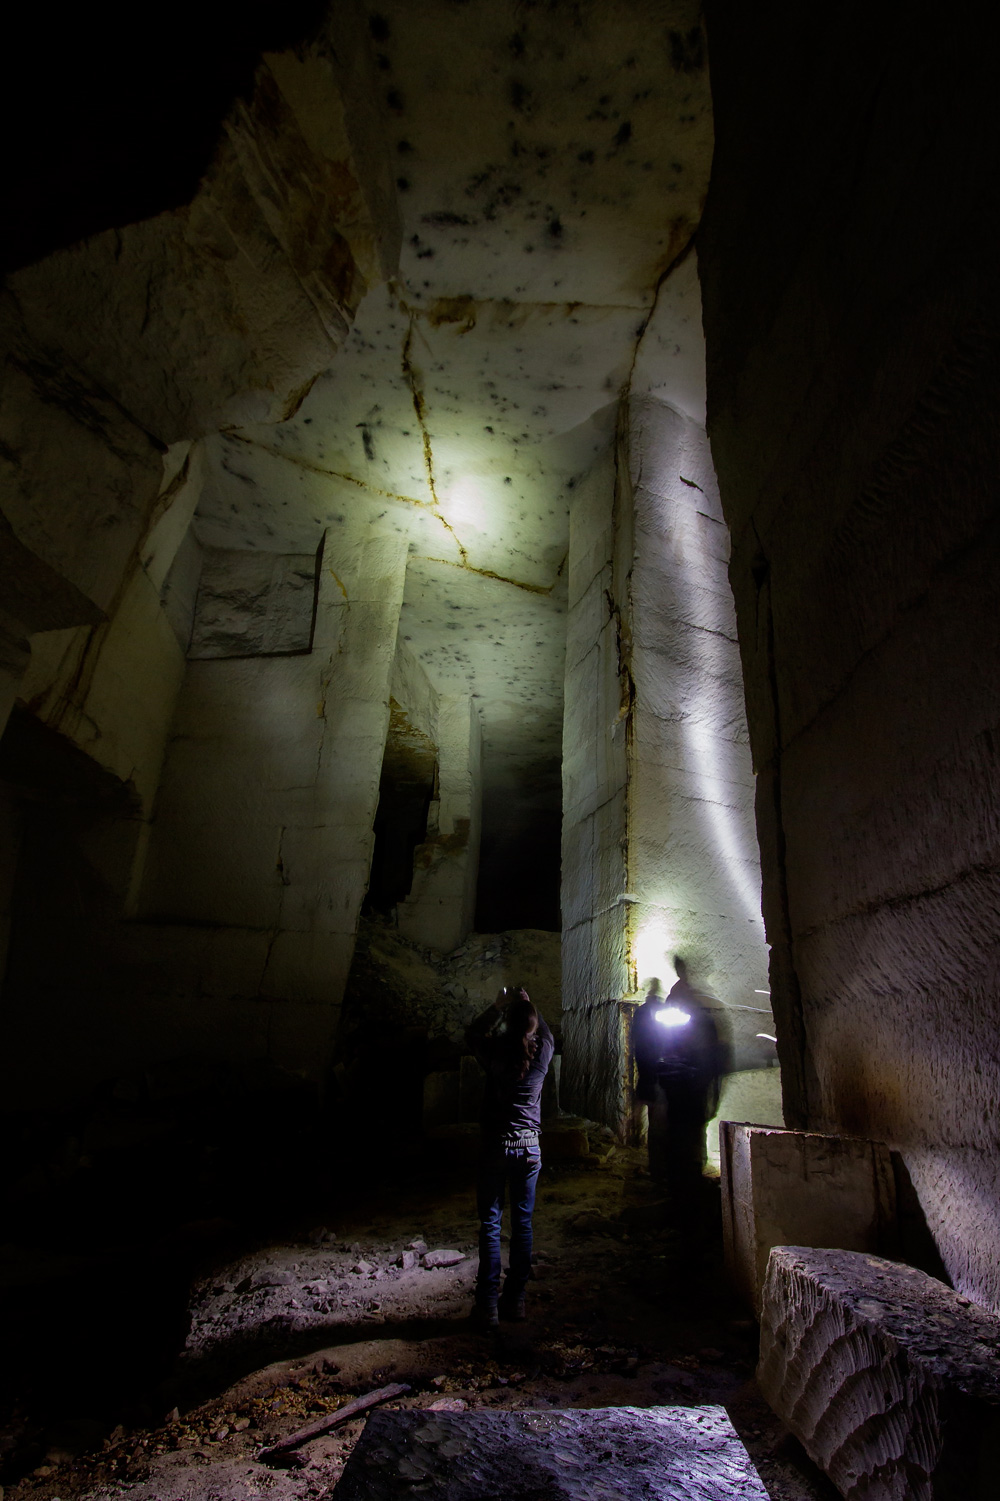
(406,788)
(519,861)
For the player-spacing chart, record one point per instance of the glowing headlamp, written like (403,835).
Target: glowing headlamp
(672,1016)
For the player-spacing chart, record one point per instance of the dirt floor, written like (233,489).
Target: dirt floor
(627,1308)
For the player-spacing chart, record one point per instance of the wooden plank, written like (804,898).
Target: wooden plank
(331,1420)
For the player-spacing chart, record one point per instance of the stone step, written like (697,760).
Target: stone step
(595,1454)
(889,1379)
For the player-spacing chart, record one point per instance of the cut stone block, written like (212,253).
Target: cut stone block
(254,604)
(889,1379)
(799,1188)
(603,1454)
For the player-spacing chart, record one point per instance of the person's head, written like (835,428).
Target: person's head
(653,988)
(522,1024)
(680,968)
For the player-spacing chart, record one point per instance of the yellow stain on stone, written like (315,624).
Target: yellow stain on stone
(340,584)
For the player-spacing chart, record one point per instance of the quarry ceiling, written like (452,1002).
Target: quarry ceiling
(551,167)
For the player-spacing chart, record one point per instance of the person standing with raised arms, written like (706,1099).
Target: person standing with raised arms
(514,1045)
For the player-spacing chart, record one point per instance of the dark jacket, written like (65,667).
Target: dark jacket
(685,1061)
(512,1107)
(647,1046)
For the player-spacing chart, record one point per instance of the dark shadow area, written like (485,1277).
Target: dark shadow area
(93,103)
(406,787)
(628,1305)
(520,853)
(916,1243)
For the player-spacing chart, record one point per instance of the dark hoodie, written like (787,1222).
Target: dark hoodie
(512,1107)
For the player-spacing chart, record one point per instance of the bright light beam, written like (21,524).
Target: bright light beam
(672,1016)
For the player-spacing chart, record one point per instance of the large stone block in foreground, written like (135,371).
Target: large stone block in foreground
(602,1454)
(800,1188)
(889,1379)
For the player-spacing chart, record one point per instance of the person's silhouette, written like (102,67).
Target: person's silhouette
(676,1047)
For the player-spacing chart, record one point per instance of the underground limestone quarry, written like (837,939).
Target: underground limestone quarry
(498,495)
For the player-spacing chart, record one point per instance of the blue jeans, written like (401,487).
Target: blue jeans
(499,1168)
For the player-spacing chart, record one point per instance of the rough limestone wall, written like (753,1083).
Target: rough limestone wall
(659,856)
(594,868)
(852,318)
(111,688)
(404,986)
(162,330)
(440,908)
(692,855)
(413,690)
(262,842)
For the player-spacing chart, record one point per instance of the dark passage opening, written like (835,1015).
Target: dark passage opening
(520,855)
(406,787)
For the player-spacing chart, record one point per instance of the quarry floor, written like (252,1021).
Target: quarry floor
(628,1308)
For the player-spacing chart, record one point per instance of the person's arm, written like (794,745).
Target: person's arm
(546,1042)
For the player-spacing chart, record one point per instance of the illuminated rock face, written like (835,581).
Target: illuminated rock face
(118,352)
(659,857)
(440,909)
(389,347)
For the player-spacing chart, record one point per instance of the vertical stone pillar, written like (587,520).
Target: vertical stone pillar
(595,893)
(326,849)
(659,851)
(440,910)
(263,839)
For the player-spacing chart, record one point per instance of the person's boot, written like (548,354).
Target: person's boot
(511,1307)
(484,1313)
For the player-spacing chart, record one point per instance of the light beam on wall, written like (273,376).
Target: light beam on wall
(712,619)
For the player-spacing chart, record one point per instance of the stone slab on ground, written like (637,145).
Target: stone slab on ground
(889,1379)
(800,1188)
(598,1454)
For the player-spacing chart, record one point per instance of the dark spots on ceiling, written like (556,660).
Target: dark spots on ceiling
(443,219)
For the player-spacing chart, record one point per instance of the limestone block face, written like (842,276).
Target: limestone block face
(693,858)
(889,1379)
(596,1060)
(440,908)
(254,604)
(64,436)
(224,312)
(659,853)
(674,1453)
(750,1094)
(153,333)
(853,386)
(594,844)
(265,811)
(799,1188)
